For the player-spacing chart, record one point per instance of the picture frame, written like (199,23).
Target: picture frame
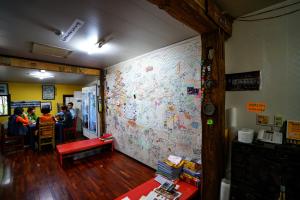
(48,92)
(47,103)
(3,89)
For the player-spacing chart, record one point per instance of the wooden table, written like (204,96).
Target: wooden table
(188,191)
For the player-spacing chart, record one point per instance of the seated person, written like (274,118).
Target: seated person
(59,117)
(46,116)
(67,121)
(71,109)
(17,123)
(31,115)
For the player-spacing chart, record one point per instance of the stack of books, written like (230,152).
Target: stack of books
(106,137)
(192,172)
(169,170)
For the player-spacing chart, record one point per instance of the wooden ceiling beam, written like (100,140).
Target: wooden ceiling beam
(201,15)
(34,64)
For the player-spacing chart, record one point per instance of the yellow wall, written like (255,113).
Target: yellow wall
(33,92)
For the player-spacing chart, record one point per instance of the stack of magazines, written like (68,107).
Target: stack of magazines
(192,172)
(169,170)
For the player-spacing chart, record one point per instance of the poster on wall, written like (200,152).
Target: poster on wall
(293,130)
(25,104)
(48,92)
(3,89)
(243,81)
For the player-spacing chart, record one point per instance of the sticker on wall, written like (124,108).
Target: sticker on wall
(262,120)
(256,107)
(192,91)
(149,68)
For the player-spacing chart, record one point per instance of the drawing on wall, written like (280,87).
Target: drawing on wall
(153,106)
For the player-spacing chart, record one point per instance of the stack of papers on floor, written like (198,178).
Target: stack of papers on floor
(169,170)
(192,172)
(106,137)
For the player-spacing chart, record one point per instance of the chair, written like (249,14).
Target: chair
(10,143)
(46,135)
(72,129)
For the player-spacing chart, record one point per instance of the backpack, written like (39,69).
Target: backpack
(15,128)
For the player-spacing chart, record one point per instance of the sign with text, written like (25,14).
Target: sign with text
(293,130)
(25,104)
(256,107)
(245,81)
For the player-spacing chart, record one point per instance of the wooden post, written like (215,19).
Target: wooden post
(102,113)
(213,152)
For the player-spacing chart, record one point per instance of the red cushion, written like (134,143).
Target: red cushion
(81,145)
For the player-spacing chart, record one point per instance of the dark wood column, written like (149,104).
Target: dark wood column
(213,133)
(102,104)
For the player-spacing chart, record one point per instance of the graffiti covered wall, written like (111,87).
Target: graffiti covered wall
(153,103)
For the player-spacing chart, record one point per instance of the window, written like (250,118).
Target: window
(4,105)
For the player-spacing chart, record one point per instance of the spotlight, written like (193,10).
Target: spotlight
(100,43)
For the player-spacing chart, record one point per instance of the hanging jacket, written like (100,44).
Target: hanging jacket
(15,126)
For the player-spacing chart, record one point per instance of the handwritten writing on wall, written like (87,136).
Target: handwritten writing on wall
(149,111)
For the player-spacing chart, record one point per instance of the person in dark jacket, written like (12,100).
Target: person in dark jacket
(68,120)
(17,123)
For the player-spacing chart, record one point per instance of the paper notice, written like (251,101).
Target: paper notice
(174,159)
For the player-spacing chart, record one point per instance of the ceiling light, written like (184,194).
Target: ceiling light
(92,48)
(42,74)
(93,45)
(100,43)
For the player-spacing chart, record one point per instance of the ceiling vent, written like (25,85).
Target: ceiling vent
(50,50)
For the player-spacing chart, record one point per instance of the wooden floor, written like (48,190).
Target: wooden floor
(39,176)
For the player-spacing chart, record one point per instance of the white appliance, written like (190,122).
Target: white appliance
(270,136)
(90,114)
(245,135)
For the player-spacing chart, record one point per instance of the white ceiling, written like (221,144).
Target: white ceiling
(13,74)
(134,27)
(237,8)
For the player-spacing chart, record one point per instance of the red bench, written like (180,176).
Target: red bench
(65,150)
